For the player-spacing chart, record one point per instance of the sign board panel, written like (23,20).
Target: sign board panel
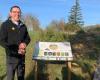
(56,51)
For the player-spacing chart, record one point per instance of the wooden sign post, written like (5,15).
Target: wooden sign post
(36,71)
(68,64)
(69,70)
(53,51)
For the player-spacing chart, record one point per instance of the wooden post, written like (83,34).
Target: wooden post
(69,70)
(47,70)
(36,73)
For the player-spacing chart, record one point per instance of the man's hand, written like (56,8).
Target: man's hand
(22,48)
(22,45)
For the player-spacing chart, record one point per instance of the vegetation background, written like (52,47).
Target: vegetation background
(85,43)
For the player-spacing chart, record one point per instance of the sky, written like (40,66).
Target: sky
(48,10)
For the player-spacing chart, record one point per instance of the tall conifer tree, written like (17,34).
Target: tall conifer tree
(75,17)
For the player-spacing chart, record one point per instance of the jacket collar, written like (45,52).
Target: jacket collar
(20,23)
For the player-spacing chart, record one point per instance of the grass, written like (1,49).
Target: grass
(51,70)
(2,64)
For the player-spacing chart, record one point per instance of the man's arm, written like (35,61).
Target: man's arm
(3,35)
(26,38)
(24,43)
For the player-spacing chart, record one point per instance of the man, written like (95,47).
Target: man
(14,38)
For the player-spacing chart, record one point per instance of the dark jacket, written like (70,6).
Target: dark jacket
(11,36)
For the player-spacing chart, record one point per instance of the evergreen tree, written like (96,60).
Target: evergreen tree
(75,17)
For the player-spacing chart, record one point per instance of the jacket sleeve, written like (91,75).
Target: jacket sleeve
(26,37)
(3,35)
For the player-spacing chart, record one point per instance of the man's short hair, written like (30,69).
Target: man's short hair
(14,7)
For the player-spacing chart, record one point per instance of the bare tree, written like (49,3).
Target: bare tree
(32,22)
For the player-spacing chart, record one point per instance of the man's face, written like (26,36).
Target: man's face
(15,14)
